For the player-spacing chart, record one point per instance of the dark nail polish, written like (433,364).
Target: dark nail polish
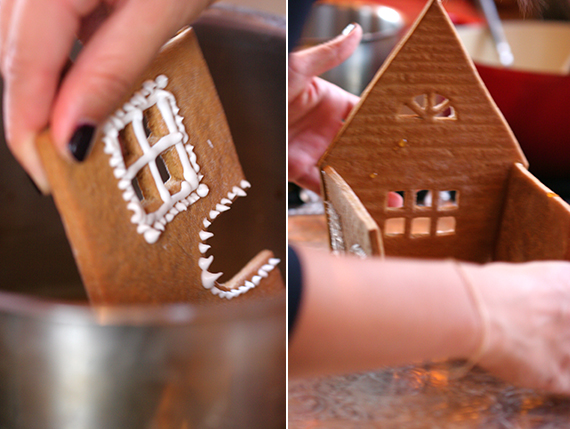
(81,141)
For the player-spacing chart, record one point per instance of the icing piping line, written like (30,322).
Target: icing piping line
(209,279)
(152,93)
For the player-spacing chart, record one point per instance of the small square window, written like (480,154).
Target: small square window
(395,226)
(421,226)
(448,200)
(446,225)
(395,200)
(423,199)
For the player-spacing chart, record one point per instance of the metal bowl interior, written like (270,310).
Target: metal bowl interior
(65,364)
(382,28)
(327,20)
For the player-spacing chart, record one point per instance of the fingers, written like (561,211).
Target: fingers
(115,56)
(31,69)
(321,58)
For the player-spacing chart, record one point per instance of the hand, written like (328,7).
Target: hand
(121,38)
(528,307)
(316,107)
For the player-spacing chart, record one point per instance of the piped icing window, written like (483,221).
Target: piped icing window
(150,154)
(430,106)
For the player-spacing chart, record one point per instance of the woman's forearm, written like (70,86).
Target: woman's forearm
(362,314)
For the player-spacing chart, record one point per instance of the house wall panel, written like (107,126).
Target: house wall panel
(536,222)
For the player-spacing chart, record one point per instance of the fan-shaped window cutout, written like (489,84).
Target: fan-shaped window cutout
(430,106)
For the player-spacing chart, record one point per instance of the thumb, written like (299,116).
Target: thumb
(321,58)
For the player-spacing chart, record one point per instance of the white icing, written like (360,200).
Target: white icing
(204,235)
(335,228)
(210,144)
(238,191)
(358,251)
(153,94)
(208,278)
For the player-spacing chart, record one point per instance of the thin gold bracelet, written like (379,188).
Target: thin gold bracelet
(477,301)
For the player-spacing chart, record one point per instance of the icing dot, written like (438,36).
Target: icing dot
(267,268)
(203,247)
(274,261)
(225,202)
(255,280)
(206,223)
(204,235)
(208,279)
(202,190)
(204,263)
(214,214)
(161,81)
(262,273)
(238,191)
(151,236)
(245,184)
(249,285)
(222,208)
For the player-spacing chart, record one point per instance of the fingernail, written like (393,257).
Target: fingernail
(348,29)
(81,141)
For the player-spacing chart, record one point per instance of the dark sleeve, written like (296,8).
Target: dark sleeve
(294,287)
(296,16)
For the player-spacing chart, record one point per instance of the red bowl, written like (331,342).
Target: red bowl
(534,94)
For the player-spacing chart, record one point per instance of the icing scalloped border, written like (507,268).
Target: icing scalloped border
(209,279)
(152,93)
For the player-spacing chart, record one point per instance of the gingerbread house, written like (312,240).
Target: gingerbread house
(426,165)
(163,169)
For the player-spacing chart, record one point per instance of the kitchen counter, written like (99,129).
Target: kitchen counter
(432,395)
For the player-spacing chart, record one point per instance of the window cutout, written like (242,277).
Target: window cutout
(137,189)
(162,169)
(428,106)
(446,225)
(395,200)
(421,226)
(395,226)
(147,130)
(448,113)
(423,199)
(448,200)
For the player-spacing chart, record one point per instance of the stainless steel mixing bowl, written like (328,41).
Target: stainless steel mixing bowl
(66,365)
(382,27)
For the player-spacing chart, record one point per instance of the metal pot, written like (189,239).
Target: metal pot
(64,364)
(382,28)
